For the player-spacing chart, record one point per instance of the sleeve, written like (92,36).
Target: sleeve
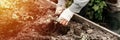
(77,5)
(61,3)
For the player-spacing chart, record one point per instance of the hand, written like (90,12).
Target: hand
(65,17)
(63,22)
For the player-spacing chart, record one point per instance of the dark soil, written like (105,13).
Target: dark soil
(82,31)
(74,31)
(33,20)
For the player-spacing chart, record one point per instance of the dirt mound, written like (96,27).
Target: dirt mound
(16,16)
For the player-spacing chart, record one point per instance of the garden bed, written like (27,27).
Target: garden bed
(76,30)
(83,29)
(35,22)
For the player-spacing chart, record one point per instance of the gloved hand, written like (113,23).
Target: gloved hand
(65,17)
(59,10)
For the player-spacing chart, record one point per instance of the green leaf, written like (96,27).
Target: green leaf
(95,7)
(104,3)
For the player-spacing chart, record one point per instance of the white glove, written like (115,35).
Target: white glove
(66,15)
(59,10)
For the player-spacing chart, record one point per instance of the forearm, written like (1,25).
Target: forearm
(61,3)
(77,5)
(60,6)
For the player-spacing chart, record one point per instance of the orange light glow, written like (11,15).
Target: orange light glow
(17,15)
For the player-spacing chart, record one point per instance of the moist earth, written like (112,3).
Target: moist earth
(34,20)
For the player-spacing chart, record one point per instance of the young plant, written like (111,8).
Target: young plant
(94,10)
